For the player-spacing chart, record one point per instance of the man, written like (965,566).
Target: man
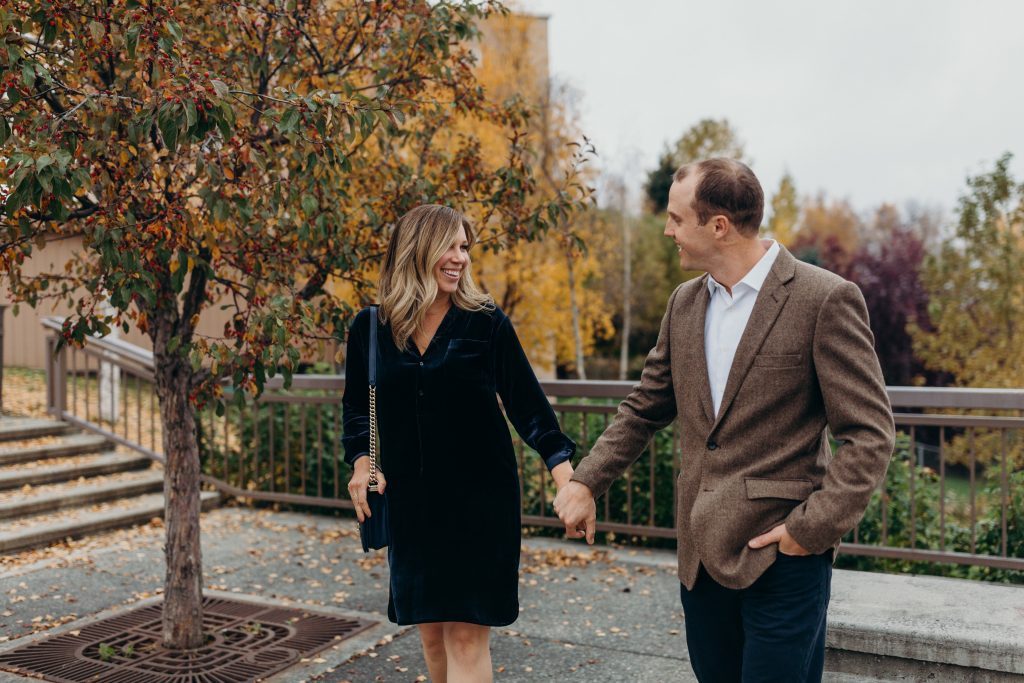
(754,359)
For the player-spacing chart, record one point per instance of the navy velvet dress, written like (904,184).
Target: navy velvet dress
(445,449)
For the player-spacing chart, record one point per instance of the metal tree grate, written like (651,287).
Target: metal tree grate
(245,642)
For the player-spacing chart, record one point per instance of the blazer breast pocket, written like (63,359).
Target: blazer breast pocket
(777,360)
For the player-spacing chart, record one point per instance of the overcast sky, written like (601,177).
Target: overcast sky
(871,100)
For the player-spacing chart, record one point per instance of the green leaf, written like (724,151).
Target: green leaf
(96,29)
(45,179)
(168,123)
(131,40)
(178,276)
(5,130)
(63,159)
(174,30)
(289,120)
(190,113)
(309,204)
(28,74)
(220,87)
(220,210)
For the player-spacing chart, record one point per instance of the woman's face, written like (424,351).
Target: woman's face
(452,265)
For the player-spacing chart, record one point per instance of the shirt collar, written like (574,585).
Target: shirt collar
(755,277)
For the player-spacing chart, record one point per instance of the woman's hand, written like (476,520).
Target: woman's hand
(359,484)
(562,473)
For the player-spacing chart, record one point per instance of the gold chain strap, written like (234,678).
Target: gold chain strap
(373,439)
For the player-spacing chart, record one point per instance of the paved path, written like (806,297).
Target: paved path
(589,615)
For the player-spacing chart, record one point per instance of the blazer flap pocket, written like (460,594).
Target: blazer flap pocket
(790,489)
(777,360)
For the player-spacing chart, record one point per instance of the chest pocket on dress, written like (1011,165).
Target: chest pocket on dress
(466,360)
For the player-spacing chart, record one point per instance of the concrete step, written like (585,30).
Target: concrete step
(107,463)
(17,428)
(141,511)
(80,495)
(72,444)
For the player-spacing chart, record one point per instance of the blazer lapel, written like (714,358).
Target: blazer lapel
(693,345)
(769,303)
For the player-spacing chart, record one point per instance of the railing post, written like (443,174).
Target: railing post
(3,312)
(56,378)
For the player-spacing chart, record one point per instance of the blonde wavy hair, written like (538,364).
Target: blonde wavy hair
(407,286)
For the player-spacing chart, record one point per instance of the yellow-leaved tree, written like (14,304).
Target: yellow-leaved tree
(976,295)
(546,285)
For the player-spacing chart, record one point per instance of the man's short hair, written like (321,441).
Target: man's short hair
(727,187)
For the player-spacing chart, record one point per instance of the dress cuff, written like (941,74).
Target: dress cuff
(553,461)
(352,461)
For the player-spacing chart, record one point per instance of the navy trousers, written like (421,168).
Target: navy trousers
(772,631)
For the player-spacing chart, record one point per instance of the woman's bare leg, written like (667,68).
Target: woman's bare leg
(432,637)
(468,648)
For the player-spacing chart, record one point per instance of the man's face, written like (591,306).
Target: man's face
(695,242)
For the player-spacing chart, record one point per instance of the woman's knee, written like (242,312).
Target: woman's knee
(466,642)
(432,636)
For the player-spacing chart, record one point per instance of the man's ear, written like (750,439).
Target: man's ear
(721,225)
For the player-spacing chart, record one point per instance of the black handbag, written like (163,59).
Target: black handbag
(375,531)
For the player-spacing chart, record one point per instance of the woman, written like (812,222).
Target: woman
(444,351)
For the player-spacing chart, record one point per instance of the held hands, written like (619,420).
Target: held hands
(358,485)
(787,544)
(576,508)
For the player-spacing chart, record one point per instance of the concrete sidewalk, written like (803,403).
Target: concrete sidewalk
(587,614)
(581,615)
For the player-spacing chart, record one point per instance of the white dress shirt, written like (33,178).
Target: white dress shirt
(727,317)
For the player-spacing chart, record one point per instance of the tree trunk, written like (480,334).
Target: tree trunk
(183,592)
(627,295)
(581,370)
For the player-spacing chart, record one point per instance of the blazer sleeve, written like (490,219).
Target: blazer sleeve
(356,400)
(859,417)
(649,407)
(524,401)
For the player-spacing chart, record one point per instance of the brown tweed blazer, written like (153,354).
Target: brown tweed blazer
(805,362)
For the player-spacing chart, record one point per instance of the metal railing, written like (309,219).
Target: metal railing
(964,504)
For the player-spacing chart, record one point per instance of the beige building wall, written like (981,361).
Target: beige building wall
(24,335)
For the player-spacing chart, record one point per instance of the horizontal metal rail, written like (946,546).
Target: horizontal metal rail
(953,473)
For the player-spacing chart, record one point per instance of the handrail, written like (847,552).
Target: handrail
(285,448)
(899,396)
(136,354)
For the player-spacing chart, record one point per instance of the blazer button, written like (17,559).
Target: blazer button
(712,445)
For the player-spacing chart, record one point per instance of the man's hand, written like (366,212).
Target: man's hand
(787,544)
(576,508)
